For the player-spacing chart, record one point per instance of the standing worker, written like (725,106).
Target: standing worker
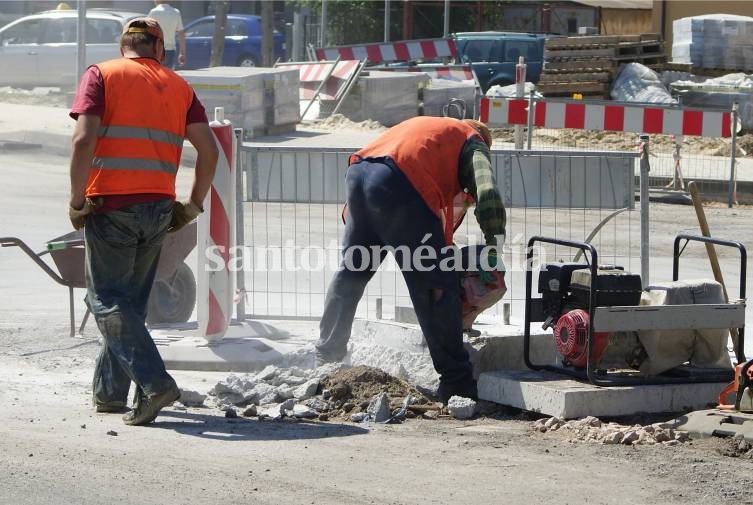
(171,22)
(132,114)
(403,191)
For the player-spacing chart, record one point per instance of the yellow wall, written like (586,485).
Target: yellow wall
(626,21)
(676,9)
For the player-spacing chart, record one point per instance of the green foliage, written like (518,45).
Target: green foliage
(354,21)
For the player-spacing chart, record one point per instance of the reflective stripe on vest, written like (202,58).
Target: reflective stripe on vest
(134,132)
(134,164)
(141,136)
(427,150)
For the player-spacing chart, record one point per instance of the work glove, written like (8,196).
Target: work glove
(486,275)
(183,213)
(78,216)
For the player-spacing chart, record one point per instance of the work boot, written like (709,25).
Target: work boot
(323,359)
(466,389)
(110,408)
(146,408)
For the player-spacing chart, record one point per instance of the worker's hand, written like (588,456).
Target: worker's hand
(78,216)
(485,275)
(181,59)
(183,213)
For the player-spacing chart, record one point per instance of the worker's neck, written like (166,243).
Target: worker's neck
(132,53)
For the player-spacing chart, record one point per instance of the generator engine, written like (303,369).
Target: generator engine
(564,289)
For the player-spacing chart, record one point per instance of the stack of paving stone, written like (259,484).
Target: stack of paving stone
(716,41)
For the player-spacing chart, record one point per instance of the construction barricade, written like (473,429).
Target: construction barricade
(670,128)
(389,52)
(330,80)
(216,238)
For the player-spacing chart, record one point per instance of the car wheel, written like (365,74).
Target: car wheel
(173,298)
(247,60)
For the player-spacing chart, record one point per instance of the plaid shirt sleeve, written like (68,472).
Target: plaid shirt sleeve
(476,176)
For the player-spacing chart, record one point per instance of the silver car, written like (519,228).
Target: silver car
(40,50)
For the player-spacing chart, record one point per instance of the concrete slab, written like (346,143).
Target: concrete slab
(555,395)
(716,423)
(397,348)
(247,346)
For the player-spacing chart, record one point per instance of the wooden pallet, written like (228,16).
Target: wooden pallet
(602,40)
(547,78)
(708,72)
(617,53)
(569,88)
(585,65)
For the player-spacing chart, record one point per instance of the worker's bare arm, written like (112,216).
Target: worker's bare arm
(201,137)
(83,142)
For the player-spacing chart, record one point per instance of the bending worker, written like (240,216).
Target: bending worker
(132,115)
(403,191)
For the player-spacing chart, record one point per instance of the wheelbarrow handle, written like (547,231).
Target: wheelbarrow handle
(16,242)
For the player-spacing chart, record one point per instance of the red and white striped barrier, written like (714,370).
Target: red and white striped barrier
(403,50)
(653,119)
(216,239)
(449,72)
(337,75)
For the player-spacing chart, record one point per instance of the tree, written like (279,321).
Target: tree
(218,40)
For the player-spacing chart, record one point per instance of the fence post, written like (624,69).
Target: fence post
(645,167)
(520,90)
(732,196)
(530,119)
(240,279)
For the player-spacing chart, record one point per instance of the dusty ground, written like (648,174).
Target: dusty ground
(54,449)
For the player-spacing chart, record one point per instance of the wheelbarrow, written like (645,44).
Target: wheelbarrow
(173,295)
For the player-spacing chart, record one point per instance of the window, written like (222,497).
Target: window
(514,49)
(203,29)
(236,28)
(26,32)
(60,31)
(477,50)
(103,31)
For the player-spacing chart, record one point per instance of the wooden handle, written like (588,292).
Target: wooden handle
(711,252)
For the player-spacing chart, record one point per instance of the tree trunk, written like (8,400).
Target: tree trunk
(218,40)
(267,29)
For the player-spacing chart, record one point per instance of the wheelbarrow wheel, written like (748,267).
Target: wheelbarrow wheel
(173,298)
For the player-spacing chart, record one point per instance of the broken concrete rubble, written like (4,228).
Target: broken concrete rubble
(461,408)
(379,408)
(592,429)
(191,398)
(331,391)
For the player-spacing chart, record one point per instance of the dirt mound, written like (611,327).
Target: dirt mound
(340,122)
(348,392)
(360,384)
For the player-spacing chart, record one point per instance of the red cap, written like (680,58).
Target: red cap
(144,25)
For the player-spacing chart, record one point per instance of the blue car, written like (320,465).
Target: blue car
(493,55)
(242,42)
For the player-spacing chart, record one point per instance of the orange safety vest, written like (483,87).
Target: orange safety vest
(427,150)
(141,135)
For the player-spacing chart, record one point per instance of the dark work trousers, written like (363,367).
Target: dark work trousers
(122,252)
(383,209)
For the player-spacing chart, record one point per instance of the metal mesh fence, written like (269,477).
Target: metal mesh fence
(293,224)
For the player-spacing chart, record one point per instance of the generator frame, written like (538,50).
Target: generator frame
(634,318)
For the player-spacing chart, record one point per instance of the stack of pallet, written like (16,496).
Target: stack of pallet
(585,66)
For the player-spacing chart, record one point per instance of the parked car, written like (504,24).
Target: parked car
(493,55)
(242,41)
(40,50)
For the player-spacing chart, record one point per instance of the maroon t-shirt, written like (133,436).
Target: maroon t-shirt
(90,100)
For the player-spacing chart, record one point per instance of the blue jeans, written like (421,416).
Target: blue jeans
(122,251)
(170,59)
(385,210)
